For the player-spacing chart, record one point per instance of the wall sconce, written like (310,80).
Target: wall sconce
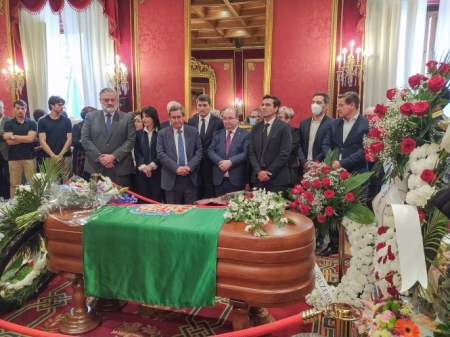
(14,78)
(117,76)
(238,106)
(350,72)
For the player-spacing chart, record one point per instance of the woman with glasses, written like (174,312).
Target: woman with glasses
(285,114)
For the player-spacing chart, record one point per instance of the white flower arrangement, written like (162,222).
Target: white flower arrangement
(256,209)
(386,261)
(358,282)
(39,266)
(422,161)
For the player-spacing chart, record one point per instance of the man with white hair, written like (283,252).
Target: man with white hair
(167,122)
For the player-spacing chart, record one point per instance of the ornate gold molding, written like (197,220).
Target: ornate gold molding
(268,46)
(187,57)
(332,62)
(250,66)
(1,7)
(199,69)
(226,66)
(137,68)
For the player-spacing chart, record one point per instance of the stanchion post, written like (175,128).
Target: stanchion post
(341,252)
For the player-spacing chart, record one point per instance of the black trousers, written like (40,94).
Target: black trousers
(4,178)
(226,187)
(184,192)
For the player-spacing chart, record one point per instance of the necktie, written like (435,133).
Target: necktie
(181,160)
(108,123)
(228,142)
(265,132)
(202,129)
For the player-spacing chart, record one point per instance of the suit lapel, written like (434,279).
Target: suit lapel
(340,132)
(233,140)
(354,127)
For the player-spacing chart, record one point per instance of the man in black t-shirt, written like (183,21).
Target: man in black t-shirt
(20,134)
(55,136)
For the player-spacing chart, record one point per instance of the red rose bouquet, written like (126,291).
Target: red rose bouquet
(326,196)
(408,121)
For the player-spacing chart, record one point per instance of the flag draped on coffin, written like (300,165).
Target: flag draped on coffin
(157,254)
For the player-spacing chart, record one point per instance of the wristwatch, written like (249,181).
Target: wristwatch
(12,137)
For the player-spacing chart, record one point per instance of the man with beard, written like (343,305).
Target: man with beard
(108,136)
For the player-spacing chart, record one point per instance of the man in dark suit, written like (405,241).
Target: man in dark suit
(313,131)
(4,148)
(229,153)
(180,152)
(206,125)
(270,148)
(346,134)
(108,136)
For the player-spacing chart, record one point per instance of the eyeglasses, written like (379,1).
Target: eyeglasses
(112,100)
(176,117)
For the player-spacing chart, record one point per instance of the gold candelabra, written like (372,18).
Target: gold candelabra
(238,106)
(14,78)
(350,70)
(117,76)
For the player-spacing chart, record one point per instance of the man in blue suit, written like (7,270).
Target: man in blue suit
(180,152)
(229,153)
(313,131)
(346,134)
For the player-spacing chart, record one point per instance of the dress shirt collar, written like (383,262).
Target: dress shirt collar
(271,121)
(207,118)
(232,131)
(353,119)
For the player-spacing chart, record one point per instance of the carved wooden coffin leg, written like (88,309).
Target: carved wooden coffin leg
(107,304)
(240,315)
(260,316)
(81,318)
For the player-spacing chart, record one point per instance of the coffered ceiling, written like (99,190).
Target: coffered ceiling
(226,24)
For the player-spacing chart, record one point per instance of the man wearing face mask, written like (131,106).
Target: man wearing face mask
(312,132)
(255,117)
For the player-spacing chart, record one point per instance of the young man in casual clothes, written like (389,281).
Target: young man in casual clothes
(55,136)
(20,134)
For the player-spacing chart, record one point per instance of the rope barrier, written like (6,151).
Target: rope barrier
(266,328)
(11,327)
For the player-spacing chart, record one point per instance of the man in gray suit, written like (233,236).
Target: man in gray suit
(180,152)
(4,171)
(270,148)
(229,153)
(108,136)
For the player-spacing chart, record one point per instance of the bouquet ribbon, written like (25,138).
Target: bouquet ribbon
(322,286)
(409,236)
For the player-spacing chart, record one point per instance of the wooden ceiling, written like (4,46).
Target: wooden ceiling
(228,24)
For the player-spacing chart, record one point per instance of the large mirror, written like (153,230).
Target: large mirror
(203,81)
(232,40)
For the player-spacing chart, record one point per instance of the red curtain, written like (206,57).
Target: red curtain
(110,11)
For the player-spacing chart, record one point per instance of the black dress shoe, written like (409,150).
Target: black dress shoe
(319,246)
(330,250)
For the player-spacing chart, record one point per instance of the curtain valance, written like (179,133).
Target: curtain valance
(110,11)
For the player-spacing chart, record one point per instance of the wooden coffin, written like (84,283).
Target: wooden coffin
(272,271)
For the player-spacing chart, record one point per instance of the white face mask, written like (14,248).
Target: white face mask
(252,121)
(316,109)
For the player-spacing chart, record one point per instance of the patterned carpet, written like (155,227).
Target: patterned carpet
(139,320)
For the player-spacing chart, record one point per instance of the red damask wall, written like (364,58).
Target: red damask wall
(225,81)
(300,53)
(253,84)
(161,53)
(5,96)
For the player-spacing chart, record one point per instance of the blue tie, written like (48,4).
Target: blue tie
(108,123)
(181,160)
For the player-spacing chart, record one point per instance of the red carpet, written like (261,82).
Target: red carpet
(136,320)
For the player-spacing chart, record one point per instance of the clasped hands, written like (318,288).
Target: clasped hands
(336,165)
(225,165)
(264,175)
(183,170)
(107,160)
